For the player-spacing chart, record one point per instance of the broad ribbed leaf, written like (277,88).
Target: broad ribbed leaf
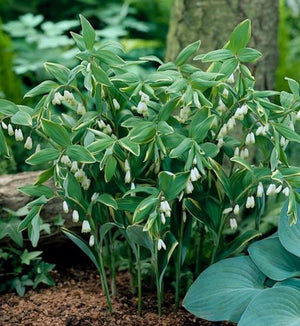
(224,290)
(273,260)
(289,235)
(278,306)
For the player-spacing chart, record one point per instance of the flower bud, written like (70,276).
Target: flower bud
(260,190)
(233,223)
(91,241)
(65,160)
(231,123)
(57,99)
(189,187)
(271,189)
(161,244)
(86,183)
(127,177)
(4,125)
(68,96)
(227,210)
(86,228)
(237,152)
(28,143)
(236,209)
(286,190)
(81,109)
(298,116)
(278,189)
(231,79)
(250,203)
(75,216)
(74,167)
(38,148)
(116,104)
(18,135)
(162,217)
(65,207)
(95,196)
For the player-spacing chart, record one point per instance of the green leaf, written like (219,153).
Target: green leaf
(27,256)
(72,188)
(277,306)
(239,243)
(43,156)
(186,53)
(37,191)
(199,132)
(82,245)
(80,154)
(108,200)
(100,75)
(248,55)
(143,133)
(184,146)
(130,146)
(172,184)
(59,72)
(79,41)
(43,88)
(287,132)
(142,238)
(8,108)
(224,290)
(217,55)
(240,36)
(21,118)
(34,230)
(104,229)
(144,209)
(3,145)
(32,213)
(88,33)
(10,228)
(273,260)
(289,235)
(242,162)
(167,109)
(56,132)
(44,176)
(294,86)
(110,168)
(100,145)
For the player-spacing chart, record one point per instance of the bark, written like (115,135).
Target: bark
(212,21)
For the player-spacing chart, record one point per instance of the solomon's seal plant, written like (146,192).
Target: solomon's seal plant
(163,161)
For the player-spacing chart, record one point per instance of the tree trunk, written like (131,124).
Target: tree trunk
(12,198)
(212,21)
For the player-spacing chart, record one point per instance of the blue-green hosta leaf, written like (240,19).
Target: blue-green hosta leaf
(278,306)
(273,260)
(291,282)
(289,235)
(224,290)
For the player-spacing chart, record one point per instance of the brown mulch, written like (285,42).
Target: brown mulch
(77,300)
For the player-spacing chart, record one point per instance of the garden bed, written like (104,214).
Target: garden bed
(76,300)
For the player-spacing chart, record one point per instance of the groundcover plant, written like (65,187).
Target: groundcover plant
(164,162)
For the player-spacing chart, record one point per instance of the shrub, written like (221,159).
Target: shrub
(162,161)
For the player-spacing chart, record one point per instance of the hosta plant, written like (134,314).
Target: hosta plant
(165,162)
(260,289)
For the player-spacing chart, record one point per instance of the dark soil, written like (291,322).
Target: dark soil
(77,300)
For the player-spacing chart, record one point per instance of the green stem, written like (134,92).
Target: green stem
(112,266)
(131,270)
(178,265)
(216,246)
(104,281)
(139,280)
(158,290)
(199,245)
